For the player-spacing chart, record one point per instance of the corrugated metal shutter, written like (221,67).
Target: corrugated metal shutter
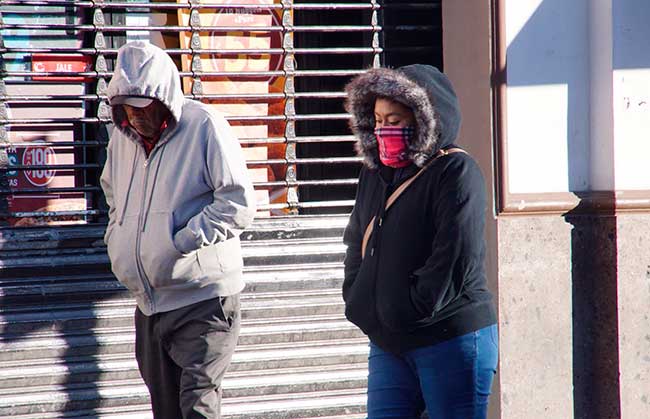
(277,69)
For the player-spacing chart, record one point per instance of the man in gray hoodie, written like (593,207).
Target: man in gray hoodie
(179,196)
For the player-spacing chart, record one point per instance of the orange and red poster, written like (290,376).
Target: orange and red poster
(239,35)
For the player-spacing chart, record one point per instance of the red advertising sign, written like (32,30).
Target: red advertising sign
(42,178)
(241,40)
(39,184)
(39,156)
(54,63)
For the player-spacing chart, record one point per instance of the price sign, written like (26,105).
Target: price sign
(39,156)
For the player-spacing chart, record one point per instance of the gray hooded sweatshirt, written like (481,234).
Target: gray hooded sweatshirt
(175,216)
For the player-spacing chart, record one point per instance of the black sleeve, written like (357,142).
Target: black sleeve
(352,238)
(458,246)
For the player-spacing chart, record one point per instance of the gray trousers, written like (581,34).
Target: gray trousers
(183,355)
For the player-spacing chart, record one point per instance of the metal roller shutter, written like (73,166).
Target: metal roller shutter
(277,70)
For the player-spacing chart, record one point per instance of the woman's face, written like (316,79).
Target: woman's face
(389,113)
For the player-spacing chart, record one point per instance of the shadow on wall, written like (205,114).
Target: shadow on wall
(596,384)
(553,49)
(631,52)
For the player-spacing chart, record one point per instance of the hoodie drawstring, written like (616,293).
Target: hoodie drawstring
(128,190)
(153,186)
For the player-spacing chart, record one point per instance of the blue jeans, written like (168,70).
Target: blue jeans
(451,379)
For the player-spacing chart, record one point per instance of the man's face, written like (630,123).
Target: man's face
(146,121)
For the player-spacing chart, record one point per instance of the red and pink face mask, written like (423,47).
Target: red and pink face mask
(393,145)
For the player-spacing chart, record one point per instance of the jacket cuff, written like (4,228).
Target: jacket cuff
(185,241)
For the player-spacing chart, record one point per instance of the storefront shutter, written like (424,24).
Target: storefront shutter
(277,70)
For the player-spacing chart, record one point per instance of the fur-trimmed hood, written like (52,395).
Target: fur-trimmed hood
(424,89)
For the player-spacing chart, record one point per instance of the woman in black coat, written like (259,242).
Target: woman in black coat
(415,280)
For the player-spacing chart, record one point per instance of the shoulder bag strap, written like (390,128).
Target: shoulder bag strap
(397,192)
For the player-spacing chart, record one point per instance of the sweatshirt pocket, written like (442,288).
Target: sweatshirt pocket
(221,258)
(163,264)
(120,244)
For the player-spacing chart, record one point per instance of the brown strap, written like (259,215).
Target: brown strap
(397,192)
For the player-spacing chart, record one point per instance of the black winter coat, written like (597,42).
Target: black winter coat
(423,279)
